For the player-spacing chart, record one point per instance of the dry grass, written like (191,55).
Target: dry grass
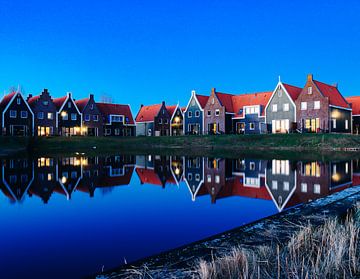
(328,251)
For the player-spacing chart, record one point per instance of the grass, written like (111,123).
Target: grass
(328,251)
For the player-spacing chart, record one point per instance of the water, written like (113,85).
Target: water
(74,216)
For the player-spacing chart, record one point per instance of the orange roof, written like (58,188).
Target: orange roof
(332,92)
(116,109)
(7,98)
(171,109)
(202,100)
(33,99)
(355,104)
(58,102)
(226,101)
(253,99)
(293,91)
(147,113)
(81,104)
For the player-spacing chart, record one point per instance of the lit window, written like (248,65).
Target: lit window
(12,113)
(286,107)
(346,124)
(209,178)
(24,114)
(317,105)
(217,179)
(333,123)
(274,108)
(50,115)
(303,187)
(316,188)
(346,167)
(303,106)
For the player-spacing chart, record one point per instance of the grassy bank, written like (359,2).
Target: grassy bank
(289,145)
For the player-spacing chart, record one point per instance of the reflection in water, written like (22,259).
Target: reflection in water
(286,183)
(95,218)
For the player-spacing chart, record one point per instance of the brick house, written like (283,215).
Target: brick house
(280,111)
(194,114)
(154,120)
(44,114)
(17,118)
(355,106)
(117,119)
(218,113)
(249,117)
(69,118)
(92,124)
(321,108)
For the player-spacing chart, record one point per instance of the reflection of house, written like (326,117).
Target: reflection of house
(281,181)
(177,168)
(45,178)
(194,174)
(69,175)
(17,177)
(91,167)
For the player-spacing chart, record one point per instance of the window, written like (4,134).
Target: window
(303,187)
(274,185)
(166,121)
(50,176)
(286,107)
(87,117)
(73,116)
(96,117)
(286,186)
(45,103)
(217,179)
(107,132)
(190,176)
(40,115)
(197,177)
(24,114)
(217,112)
(209,113)
(18,101)
(92,106)
(189,114)
(209,178)
(274,108)
(50,115)
(317,105)
(303,106)
(310,90)
(279,91)
(333,123)
(197,113)
(346,167)
(252,126)
(65,116)
(69,104)
(252,166)
(213,101)
(316,188)
(117,132)
(12,113)
(117,118)
(160,120)
(346,124)
(74,174)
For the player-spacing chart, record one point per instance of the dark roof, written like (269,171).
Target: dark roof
(7,98)
(81,104)
(58,102)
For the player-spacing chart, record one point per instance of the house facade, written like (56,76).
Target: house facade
(117,119)
(162,120)
(45,116)
(69,118)
(176,121)
(249,117)
(321,108)
(355,106)
(17,118)
(218,113)
(92,120)
(194,174)
(194,114)
(280,111)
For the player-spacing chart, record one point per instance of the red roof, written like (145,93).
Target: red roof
(253,99)
(202,100)
(355,104)
(148,176)
(116,109)
(58,102)
(171,109)
(81,104)
(108,181)
(7,98)
(356,180)
(32,100)
(226,101)
(293,91)
(332,92)
(147,113)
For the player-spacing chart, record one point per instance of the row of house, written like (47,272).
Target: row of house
(315,107)
(42,115)
(282,182)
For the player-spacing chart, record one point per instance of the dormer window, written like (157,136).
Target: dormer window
(310,90)
(117,118)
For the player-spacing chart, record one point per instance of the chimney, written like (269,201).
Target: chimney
(141,105)
(91,96)
(69,94)
(163,103)
(309,77)
(45,91)
(213,90)
(28,98)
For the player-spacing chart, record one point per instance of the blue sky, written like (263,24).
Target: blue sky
(146,51)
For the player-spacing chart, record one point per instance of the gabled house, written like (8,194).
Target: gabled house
(218,113)
(280,111)
(92,121)
(355,106)
(194,114)
(176,120)
(249,117)
(17,118)
(69,118)
(321,108)
(117,119)
(44,114)
(154,120)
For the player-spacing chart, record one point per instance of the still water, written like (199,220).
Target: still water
(75,216)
